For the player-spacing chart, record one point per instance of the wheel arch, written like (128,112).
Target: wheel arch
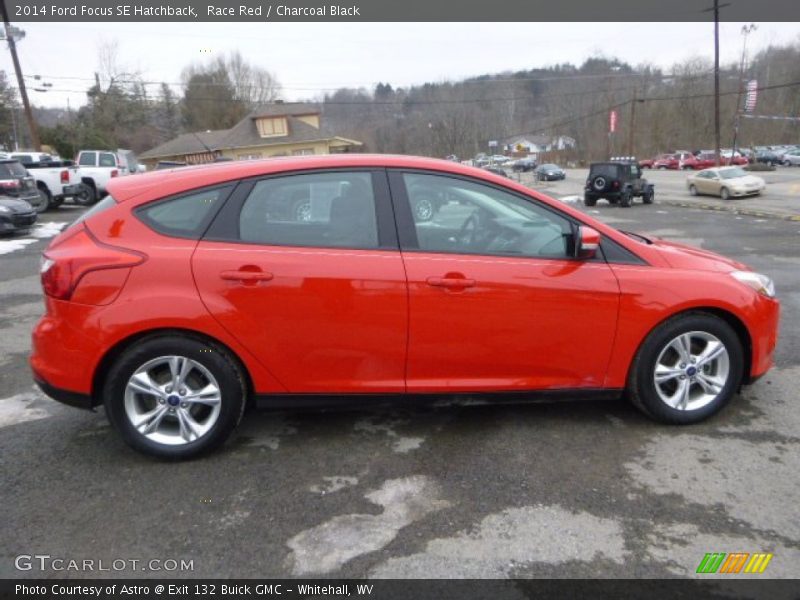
(98,378)
(727,316)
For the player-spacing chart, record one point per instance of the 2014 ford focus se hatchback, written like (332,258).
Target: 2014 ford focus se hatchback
(185,293)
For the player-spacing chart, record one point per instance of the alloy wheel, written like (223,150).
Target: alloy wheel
(172,400)
(691,370)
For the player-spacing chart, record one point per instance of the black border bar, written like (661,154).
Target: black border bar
(596,11)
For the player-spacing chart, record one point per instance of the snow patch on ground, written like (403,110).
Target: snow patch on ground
(328,546)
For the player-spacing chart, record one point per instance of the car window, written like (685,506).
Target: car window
(184,216)
(107,160)
(611,171)
(25,158)
(87,159)
(464,217)
(635,173)
(733,173)
(319,209)
(9,170)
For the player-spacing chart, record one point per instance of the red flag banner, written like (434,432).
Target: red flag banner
(612,121)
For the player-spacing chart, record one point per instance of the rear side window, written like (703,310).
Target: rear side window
(12,170)
(87,159)
(184,216)
(107,160)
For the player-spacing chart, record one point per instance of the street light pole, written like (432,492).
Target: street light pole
(20,81)
(746,30)
(716,84)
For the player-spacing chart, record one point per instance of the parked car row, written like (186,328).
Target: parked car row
(38,181)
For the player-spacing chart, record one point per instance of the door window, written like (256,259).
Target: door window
(107,160)
(87,159)
(335,209)
(459,216)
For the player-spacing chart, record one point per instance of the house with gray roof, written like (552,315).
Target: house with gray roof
(279,129)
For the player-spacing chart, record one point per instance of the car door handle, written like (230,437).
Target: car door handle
(451,282)
(246,276)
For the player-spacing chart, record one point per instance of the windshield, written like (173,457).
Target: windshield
(732,173)
(549,167)
(12,170)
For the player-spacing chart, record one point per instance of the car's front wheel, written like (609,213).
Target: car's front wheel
(693,190)
(687,369)
(174,397)
(724,193)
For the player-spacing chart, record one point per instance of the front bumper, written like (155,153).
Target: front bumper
(17,222)
(763,327)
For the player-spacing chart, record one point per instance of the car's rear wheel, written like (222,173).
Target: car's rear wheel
(724,193)
(174,397)
(687,369)
(589,201)
(648,196)
(625,200)
(693,190)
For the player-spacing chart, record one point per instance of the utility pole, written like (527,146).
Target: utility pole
(632,124)
(20,81)
(746,30)
(715,10)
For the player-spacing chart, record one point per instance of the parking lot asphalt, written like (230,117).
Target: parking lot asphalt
(583,489)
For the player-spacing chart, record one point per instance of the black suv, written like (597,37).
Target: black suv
(618,181)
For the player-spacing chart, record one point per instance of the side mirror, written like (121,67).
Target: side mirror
(587,242)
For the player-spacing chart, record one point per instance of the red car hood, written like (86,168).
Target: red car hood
(682,256)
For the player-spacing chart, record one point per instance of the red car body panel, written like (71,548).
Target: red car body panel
(461,339)
(344,321)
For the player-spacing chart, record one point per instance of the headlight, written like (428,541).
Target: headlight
(4,209)
(760,283)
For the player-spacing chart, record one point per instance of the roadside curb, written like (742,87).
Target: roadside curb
(750,212)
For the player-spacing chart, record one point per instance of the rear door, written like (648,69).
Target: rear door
(318,296)
(495,300)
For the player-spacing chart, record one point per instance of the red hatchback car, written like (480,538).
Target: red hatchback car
(185,293)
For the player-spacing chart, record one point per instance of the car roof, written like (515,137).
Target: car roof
(173,181)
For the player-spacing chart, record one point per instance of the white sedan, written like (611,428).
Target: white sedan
(725,182)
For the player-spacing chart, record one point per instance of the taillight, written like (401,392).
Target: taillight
(64,265)
(9,184)
(114,173)
(65,176)
(616,184)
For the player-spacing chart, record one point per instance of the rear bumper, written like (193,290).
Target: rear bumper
(62,354)
(75,399)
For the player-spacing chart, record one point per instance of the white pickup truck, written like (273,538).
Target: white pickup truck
(97,167)
(55,180)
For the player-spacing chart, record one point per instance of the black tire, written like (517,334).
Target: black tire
(47,196)
(693,190)
(725,194)
(86,196)
(625,200)
(587,201)
(641,382)
(599,183)
(56,202)
(648,196)
(226,371)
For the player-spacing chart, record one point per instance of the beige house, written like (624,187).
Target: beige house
(280,129)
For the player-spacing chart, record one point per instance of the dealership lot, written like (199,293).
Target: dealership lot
(455,490)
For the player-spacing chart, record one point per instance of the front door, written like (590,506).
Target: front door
(319,295)
(496,302)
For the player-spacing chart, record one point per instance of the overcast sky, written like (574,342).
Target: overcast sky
(309,57)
